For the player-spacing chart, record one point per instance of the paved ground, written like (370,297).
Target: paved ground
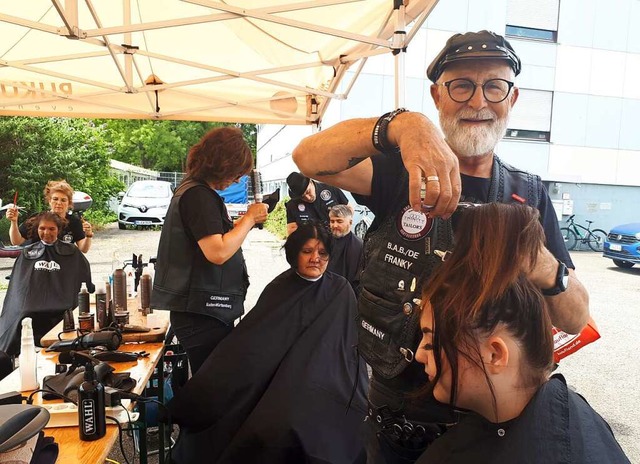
(607,372)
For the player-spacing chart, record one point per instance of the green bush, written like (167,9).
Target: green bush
(4,230)
(277,221)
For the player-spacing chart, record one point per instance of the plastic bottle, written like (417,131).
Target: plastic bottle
(145,291)
(101,306)
(83,299)
(151,269)
(68,324)
(119,290)
(27,358)
(131,292)
(91,412)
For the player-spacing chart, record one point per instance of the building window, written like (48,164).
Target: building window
(531,33)
(533,20)
(523,134)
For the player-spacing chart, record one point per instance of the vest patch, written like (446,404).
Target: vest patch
(413,225)
(373,330)
(301,207)
(325,194)
(400,262)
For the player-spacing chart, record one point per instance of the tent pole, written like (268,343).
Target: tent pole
(399,49)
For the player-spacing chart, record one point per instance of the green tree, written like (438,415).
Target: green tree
(160,145)
(36,150)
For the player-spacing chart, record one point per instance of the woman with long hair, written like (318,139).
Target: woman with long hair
(487,348)
(201,276)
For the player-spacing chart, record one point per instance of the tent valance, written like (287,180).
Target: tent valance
(258,61)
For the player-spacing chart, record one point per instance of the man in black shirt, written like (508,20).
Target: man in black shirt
(310,200)
(411,178)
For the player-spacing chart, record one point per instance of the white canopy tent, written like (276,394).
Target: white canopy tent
(260,61)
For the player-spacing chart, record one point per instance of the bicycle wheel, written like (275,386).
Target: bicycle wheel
(569,237)
(597,237)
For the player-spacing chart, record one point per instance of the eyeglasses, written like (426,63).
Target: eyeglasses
(463,90)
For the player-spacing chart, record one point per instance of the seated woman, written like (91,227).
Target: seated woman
(488,351)
(286,385)
(59,195)
(45,281)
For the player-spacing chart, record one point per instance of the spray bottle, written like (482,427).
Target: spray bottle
(145,292)
(27,358)
(83,299)
(101,306)
(91,404)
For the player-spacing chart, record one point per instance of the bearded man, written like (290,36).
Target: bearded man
(346,251)
(400,167)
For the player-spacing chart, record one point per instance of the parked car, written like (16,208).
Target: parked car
(623,245)
(145,204)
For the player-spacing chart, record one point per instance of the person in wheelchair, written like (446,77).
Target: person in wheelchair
(45,282)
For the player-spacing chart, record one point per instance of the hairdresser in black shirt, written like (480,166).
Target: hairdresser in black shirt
(201,276)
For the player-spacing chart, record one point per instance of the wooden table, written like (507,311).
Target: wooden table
(72,449)
(159,326)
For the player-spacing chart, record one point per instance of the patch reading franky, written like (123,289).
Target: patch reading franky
(413,225)
(325,194)
(301,207)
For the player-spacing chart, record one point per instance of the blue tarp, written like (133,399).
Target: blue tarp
(237,192)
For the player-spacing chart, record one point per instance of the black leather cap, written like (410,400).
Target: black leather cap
(481,45)
(297,185)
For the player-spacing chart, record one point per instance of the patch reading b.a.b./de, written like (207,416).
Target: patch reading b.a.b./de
(413,225)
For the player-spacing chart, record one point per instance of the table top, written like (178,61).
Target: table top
(72,449)
(158,322)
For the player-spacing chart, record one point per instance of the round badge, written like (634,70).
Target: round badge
(301,207)
(407,308)
(413,225)
(68,238)
(325,194)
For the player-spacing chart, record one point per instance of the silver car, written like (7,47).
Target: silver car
(145,204)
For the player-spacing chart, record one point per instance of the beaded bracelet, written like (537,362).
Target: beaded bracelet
(379,134)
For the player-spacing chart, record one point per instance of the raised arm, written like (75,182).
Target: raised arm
(340,156)
(14,231)
(569,310)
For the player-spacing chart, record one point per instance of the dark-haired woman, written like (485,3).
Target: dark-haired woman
(286,386)
(487,348)
(201,276)
(45,281)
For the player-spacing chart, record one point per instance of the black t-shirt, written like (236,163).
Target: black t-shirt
(201,216)
(299,211)
(386,198)
(71,234)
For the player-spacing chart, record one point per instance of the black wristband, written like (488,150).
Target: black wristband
(379,134)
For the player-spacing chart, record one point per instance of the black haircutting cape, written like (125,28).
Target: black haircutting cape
(558,426)
(45,281)
(286,386)
(346,258)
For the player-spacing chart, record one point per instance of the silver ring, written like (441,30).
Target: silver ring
(433,179)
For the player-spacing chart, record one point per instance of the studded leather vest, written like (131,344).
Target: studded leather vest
(186,281)
(399,257)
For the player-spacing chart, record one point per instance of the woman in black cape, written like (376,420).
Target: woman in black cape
(287,385)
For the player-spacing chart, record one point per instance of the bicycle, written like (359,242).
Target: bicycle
(571,234)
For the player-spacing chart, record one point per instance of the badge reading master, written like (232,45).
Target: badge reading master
(413,225)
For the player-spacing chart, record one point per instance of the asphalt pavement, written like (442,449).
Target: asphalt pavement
(606,373)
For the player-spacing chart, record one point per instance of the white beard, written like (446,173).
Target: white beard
(468,141)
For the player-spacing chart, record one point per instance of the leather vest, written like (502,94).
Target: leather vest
(186,281)
(399,257)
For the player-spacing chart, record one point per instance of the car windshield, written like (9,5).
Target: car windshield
(149,191)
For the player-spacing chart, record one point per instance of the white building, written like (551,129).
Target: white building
(576,120)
